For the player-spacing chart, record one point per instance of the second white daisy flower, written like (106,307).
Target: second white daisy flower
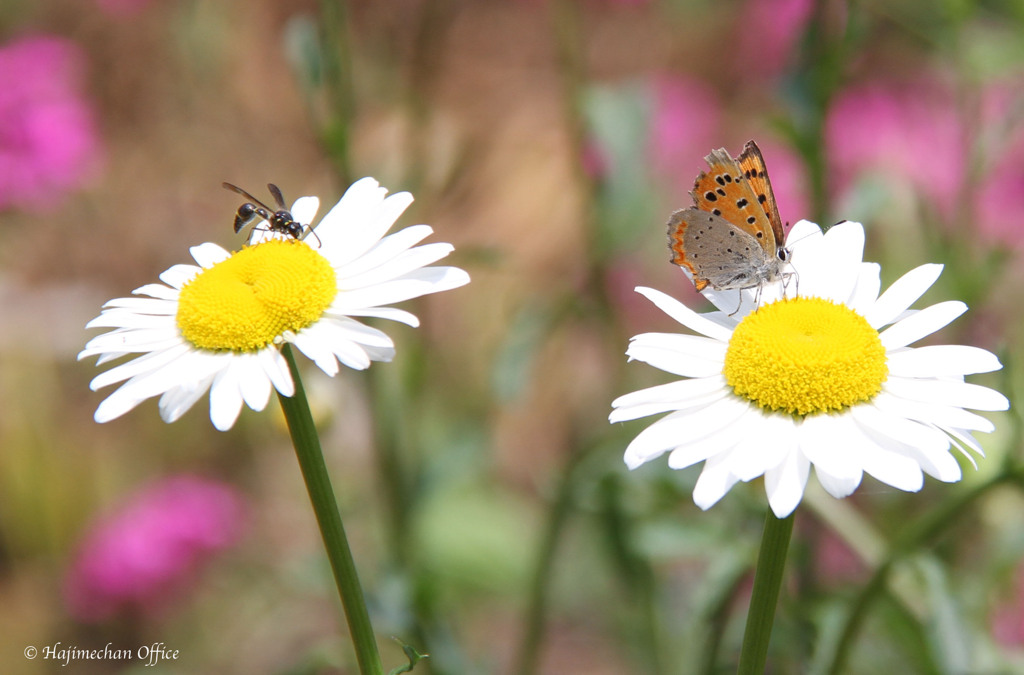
(812,380)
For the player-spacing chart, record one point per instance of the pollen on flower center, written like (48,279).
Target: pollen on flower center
(246,301)
(804,356)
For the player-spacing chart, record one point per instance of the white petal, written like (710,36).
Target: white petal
(351,212)
(685,315)
(902,294)
(948,393)
(964,438)
(225,398)
(390,313)
(253,382)
(149,305)
(353,355)
(177,276)
(809,258)
(802,231)
(865,291)
(360,220)
(350,329)
(317,350)
(831,453)
(208,254)
(899,429)
(189,367)
(736,304)
(889,467)
(685,355)
(147,363)
(939,464)
(767,439)
(683,428)
(387,249)
(931,413)
(720,442)
(118,318)
(677,395)
(939,360)
(714,482)
(112,347)
(845,245)
(158,291)
(413,285)
(276,367)
(785,484)
(304,210)
(839,486)
(921,324)
(177,401)
(397,267)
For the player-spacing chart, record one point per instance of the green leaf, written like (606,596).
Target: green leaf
(410,653)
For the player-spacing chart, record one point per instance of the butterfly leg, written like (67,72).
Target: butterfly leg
(739,296)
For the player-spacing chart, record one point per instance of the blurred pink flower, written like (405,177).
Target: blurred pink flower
(148,550)
(911,134)
(999,201)
(622,3)
(778,24)
(684,128)
(836,561)
(999,198)
(48,140)
(1008,616)
(595,160)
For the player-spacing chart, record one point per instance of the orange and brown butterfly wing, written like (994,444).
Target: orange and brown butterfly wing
(725,191)
(678,237)
(754,170)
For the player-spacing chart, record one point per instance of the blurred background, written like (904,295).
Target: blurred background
(493,521)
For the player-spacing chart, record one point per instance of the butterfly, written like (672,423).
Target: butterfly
(732,238)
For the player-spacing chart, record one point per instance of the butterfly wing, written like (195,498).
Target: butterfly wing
(755,172)
(717,253)
(725,191)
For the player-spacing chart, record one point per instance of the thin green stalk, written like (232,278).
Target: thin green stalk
(928,527)
(771,562)
(535,617)
(336,62)
(321,494)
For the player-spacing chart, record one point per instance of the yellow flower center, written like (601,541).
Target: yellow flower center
(245,302)
(804,356)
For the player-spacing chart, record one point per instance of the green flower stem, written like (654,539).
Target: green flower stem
(321,494)
(771,562)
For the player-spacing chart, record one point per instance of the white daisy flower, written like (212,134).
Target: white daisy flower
(812,379)
(219,325)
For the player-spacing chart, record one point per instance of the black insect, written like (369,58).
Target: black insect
(279,220)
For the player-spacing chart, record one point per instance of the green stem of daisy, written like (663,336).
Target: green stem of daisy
(771,562)
(321,494)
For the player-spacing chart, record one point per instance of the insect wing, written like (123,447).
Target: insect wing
(724,191)
(717,253)
(754,170)
(235,188)
(278,197)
